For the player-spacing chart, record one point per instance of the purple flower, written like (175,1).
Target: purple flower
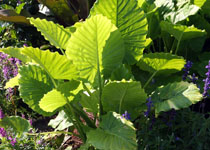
(1,114)
(9,93)
(126,115)
(23,116)
(149,105)
(186,70)
(207,82)
(194,78)
(3,132)
(25,45)
(12,140)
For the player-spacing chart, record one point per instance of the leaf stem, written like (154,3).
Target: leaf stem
(177,47)
(149,80)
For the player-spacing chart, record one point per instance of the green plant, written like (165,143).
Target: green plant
(98,55)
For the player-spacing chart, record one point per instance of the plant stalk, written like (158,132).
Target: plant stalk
(149,80)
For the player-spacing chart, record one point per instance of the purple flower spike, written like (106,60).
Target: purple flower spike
(126,115)
(186,70)
(30,121)
(149,105)
(3,132)
(206,82)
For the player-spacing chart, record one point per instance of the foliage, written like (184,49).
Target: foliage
(121,66)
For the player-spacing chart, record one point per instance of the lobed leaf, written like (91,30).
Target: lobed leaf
(114,133)
(34,83)
(176,96)
(56,65)
(124,96)
(162,63)
(96,48)
(56,34)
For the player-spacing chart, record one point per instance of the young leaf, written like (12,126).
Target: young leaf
(181,32)
(17,124)
(34,83)
(61,122)
(124,96)
(176,96)
(56,34)
(96,48)
(57,98)
(114,133)
(12,82)
(161,63)
(130,20)
(56,65)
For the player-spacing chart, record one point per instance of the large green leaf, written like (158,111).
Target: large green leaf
(176,11)
(55,33)
(61,122)
(181,32)
(17,124)
(130,20)
(114,133)
(57,98)
(161,63)
(176,96)
(124,96)
(56,65)
(96,47)
(34,83)
(15,52)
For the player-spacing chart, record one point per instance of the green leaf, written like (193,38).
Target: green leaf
(124,96)
(181,32)
(57,98)
(56,65)
(34,83)
(16,52)
(61,122)
(96,48)
(130,20)
(161,63)
(19,8)
(122,72)
(114,133)
(90,102)
(176,11)
(56,34)
(18,124)
(176,96)
(204,5)
(12,82)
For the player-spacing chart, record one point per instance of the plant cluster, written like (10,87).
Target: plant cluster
(130,65)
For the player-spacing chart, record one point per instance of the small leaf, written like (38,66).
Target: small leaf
(131,21)
(176,96)
(124,96)
(34,83)
(56,65)
(163,63)
(12,82)
(114,133)
(61,122)
(56,34)
(18,124)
